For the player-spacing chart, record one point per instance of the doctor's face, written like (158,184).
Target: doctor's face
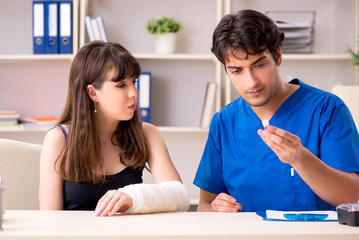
(255,78)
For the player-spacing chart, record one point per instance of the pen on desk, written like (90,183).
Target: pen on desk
(306,217)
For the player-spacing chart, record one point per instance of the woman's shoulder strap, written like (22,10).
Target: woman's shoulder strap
(63,129)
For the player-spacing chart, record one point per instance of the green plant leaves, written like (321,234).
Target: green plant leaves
(163,25)
(354,55)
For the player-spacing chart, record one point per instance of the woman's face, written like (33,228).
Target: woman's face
(117,100)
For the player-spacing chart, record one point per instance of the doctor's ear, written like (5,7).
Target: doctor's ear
(91,91)
(278,55)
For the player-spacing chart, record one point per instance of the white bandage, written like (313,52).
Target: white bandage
(168,196)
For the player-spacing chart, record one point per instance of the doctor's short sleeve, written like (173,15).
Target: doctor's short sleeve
(209,176)
(340,141)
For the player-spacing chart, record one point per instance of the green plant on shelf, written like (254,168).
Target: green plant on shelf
(162,26)
(355,55)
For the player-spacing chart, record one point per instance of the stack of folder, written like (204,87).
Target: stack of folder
(298,29)
(39,121)
(9,118)
(52,27)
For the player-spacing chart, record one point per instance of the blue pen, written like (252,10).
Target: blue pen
(307,217)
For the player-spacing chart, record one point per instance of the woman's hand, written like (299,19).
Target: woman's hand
(112,202)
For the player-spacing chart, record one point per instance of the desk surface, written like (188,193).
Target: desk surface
(186,225)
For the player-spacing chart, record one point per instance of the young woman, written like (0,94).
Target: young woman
(94,158)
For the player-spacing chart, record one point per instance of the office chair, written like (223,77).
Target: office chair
(19,171)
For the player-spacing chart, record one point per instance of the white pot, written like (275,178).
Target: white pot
(165,43)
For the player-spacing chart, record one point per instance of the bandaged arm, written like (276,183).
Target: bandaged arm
(167,196)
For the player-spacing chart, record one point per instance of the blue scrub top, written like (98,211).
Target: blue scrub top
(236,161)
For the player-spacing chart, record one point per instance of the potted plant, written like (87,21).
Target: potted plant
(165,30)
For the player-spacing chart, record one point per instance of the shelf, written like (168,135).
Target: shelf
(32,57)
(209,57)
(195,57)
(166,129)
(334,57)
(163,129)
(24,129)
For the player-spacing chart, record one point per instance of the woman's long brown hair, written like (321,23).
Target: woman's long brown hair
(81,160)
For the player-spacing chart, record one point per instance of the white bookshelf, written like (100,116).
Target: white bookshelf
(182,129)
(23,129)
(163,129)
(195,57)
(316,57)
(32,57)
(16,19)
(31,84)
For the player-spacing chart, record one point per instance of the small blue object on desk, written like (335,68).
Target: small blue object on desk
(307,217)
(299,216)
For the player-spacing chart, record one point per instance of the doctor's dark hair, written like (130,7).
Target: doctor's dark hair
(249,31)
(81,160)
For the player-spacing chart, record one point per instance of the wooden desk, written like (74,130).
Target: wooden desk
(189,225)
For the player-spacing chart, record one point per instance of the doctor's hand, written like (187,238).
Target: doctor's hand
(112,202)
(225,203)
(286,145)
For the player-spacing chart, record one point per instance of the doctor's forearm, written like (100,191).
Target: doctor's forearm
(332,185)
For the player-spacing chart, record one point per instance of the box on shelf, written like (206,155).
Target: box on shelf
(298,29)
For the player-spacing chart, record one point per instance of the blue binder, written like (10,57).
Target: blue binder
(38,26)
(65,27)
(144,102)
(51,28)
